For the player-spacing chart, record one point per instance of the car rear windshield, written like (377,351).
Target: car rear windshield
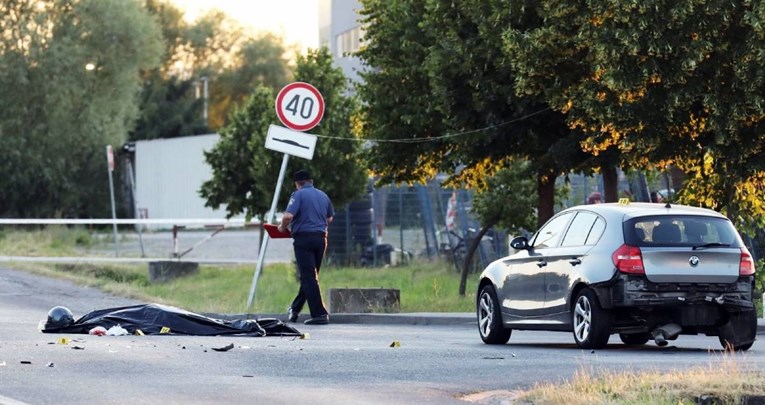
(681,230)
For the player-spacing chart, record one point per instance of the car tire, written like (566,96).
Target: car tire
(741,331)
(489,314)
(591,323)
(635,339)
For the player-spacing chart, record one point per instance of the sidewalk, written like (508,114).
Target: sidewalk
(417,318)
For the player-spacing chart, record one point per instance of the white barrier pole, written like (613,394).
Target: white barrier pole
(264,244)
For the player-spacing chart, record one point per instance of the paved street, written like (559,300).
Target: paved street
(438,359)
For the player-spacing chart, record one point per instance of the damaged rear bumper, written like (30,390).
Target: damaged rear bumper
(633,291)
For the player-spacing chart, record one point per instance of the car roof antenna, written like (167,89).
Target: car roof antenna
(667,206)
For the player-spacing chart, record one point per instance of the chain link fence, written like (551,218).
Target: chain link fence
(398,224)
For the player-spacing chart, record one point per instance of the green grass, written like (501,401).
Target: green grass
(424,287)
(226,289)
(730,380)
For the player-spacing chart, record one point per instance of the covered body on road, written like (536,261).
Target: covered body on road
(156,319)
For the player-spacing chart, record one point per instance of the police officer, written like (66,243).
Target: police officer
(308,214)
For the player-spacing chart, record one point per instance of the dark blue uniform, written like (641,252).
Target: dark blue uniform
(311,209)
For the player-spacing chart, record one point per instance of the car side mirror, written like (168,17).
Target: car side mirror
(519,243)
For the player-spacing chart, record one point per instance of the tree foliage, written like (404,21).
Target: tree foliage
(666,82)
(509,199)
(438,76)
(397,94)
(169,106)
(69,75)
(213,50)
(245,172)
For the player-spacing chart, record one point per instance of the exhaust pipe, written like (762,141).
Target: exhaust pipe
(666,332)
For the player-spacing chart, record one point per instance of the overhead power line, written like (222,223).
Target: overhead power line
(436,138)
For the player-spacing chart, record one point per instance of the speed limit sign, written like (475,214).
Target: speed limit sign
(299,106)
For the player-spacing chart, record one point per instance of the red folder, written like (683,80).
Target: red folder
(273,231)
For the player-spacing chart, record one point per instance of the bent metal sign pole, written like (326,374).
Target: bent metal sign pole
(299,107)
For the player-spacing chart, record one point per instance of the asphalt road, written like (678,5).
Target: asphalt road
(440,361)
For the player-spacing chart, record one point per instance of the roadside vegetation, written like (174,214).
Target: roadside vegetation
(424,287)
(728,381)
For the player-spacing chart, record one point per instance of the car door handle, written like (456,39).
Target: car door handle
(541,263)
(575,261)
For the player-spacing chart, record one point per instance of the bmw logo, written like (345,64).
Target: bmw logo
(694,261)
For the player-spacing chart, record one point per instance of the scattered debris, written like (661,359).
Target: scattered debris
(2,364)
(97,331)
(26,362)
(395,343)
(248,376)
(117,330)
(224,348)
(78,348)
(493,358)
(50,364)
(139,332)
(305,336)
(164,331)
(63,341)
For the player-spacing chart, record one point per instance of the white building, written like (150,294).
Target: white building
(340,31)
(169,173)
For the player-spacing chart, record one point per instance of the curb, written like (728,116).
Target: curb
(413,318)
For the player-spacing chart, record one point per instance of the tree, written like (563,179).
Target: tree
(69,73)
(438,76)
(399,114)
(245,172)
(667,83)
(213,51)
(169,106)
(261,60)
(506,200)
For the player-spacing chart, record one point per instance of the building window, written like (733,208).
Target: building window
(349,42)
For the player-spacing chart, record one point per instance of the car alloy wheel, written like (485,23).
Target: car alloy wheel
(592,324)
(582,319)
(490,318)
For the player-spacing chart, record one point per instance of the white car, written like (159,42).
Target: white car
(641,270)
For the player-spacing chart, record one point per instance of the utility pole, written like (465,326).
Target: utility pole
(204,94)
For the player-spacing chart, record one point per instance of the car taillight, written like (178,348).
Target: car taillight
(746,264)
(628,259)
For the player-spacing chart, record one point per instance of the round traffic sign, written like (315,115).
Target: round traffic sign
(299,106)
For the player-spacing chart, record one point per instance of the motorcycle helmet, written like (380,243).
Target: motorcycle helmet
(59,317)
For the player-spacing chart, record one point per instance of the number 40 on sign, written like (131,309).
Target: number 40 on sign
(299,106)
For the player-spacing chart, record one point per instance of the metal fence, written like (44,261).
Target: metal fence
(398,224)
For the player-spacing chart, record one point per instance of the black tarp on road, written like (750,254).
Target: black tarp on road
(152,318)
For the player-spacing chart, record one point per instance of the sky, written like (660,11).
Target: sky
(295,20)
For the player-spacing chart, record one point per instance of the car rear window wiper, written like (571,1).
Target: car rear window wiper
(711,244)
